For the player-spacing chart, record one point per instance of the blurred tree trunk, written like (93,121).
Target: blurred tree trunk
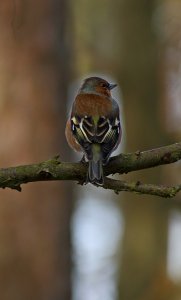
(144,250)
(34,76)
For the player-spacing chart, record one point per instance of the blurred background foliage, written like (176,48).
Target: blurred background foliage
(59,241)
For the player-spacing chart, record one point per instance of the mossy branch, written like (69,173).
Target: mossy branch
(54,169)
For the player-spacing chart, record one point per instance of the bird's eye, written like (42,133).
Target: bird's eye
(104,85)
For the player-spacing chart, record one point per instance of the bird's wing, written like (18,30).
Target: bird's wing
(102,130)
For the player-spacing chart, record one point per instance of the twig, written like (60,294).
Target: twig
(140,188)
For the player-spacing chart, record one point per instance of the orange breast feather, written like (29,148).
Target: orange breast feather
(92,105)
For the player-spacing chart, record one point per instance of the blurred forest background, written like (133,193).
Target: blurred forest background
(57,240)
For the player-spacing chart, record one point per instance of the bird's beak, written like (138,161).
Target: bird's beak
(112,86)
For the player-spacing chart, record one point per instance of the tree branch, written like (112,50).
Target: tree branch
(54,169)
(125,163)
(139,188)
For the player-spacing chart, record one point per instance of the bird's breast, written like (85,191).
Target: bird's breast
(92,105)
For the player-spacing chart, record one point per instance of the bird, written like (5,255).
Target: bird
(93,126)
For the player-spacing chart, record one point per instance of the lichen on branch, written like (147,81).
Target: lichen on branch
(54,169)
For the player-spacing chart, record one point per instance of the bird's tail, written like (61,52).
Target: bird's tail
(95,171)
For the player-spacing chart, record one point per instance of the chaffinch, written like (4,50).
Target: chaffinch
(94,126)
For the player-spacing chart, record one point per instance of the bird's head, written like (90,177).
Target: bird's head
(97,85)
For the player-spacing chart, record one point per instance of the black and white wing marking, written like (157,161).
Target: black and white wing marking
(111,139)
(82,129)
(102,130)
